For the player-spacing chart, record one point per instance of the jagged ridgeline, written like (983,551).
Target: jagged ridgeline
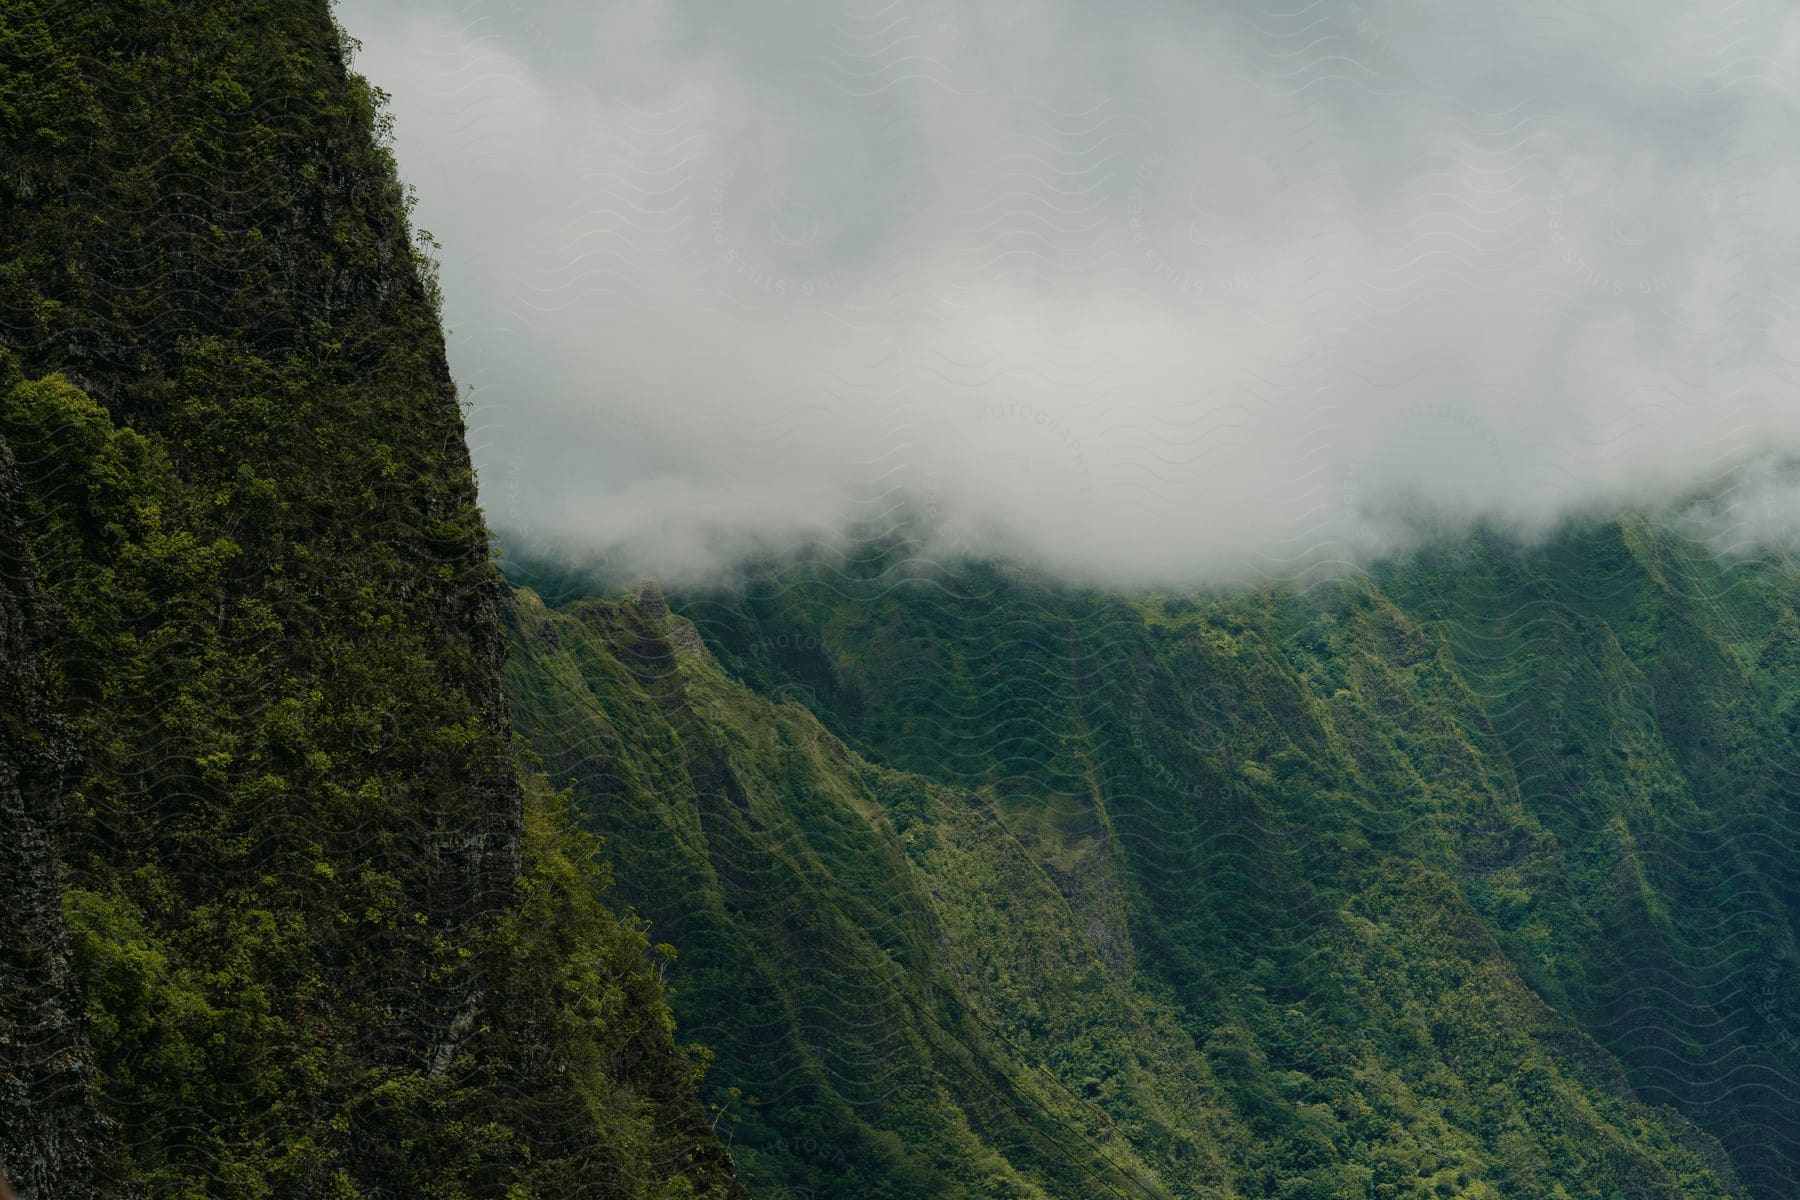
(282,916)
(1469,877)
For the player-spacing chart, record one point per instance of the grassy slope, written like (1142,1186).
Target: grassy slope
(1448,881)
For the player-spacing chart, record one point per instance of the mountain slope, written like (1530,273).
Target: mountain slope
(1455,879)
(324,936)
(1589,742)
(810,946)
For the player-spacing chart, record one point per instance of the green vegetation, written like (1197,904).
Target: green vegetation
(1463,878)
(328,938)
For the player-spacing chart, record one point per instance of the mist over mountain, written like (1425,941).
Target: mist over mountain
(1425,829)
(1204,292)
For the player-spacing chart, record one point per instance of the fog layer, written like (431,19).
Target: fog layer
(1159,293)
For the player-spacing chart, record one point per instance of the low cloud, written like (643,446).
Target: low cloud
(1183,295)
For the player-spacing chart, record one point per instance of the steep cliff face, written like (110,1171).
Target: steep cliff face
(50,1129)
(321,940)
(1461,878)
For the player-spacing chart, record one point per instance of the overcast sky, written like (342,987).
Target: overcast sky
(1154,293)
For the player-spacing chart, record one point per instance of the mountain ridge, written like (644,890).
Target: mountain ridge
(1498,769)
(343,868)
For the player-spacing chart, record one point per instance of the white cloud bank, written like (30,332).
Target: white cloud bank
(1152,293)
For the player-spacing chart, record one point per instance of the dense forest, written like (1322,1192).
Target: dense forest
(1467,876)
(338,865)
(285,914)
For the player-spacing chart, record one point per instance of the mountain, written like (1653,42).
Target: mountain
(286,913)
(1464,876)
(336,867)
